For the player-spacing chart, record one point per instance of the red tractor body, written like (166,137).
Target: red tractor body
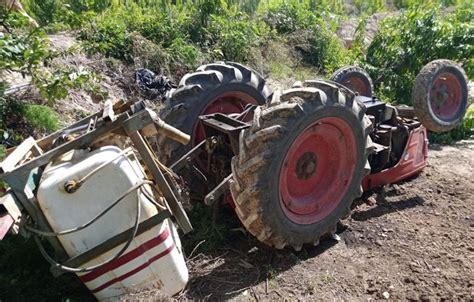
(413,160)
(291,162)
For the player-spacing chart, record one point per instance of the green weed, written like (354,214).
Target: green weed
(40,116)
(327,278)
(210,232)
(465,130)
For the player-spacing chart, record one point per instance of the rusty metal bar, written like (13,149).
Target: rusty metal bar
(45,142)
(148,159)
(81,141)
(177,165)
(218,191)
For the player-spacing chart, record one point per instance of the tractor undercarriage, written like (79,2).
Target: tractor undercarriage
(399,149)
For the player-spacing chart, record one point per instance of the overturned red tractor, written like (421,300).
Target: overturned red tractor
(292,162)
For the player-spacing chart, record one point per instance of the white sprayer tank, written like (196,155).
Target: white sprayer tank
(153,260)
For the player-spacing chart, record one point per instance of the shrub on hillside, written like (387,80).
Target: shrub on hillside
(26,51)
(406,43)
(287,17)
(108,36)
(320,48)
(41,117)
(231,37)
(188,33)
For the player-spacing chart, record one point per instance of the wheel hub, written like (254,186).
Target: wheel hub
(306,165)
(446,96)
(442,95)
(357,85)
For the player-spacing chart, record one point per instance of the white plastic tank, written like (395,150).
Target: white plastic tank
(154,258)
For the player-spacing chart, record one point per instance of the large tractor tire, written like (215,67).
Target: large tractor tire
(219,87)
(440,95)
(301,164)
(354,78)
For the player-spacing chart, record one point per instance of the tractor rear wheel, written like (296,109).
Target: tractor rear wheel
(301,164)
(219,87)
(440,95)
(354,78)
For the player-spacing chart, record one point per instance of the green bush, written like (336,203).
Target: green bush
(400,4)
(164,26)
(41,117)
(26,51)
(108,36)
(320,48)
(327,52)
(462,131)
(21,51)
(406,43)
(289,17)
(3,153)
(45,11)
(188,33)
(184,52)
(369,6)
(231,37)
(69,13)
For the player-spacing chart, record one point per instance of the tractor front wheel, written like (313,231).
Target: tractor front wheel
(301,164)
(440,95)
(354,78)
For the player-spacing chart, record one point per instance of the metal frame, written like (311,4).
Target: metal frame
(215,125)
(132,120)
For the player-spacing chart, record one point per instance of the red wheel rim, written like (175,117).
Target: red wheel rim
(227,103)
(446,96)
(317,170)
(358,85)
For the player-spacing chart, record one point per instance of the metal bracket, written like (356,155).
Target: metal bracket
(221,123)
(186,158)
(148,158)
(218,191)
(108,114)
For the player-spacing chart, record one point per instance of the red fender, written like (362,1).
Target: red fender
(413,160)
